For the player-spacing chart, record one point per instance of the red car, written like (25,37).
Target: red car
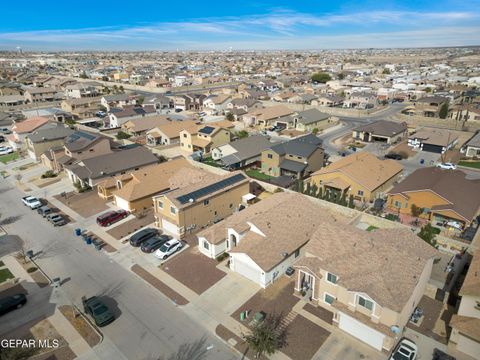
(111,217)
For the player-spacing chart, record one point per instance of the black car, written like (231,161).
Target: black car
(2,139)
(13,302)
(393,156)
(100,313)
(143,235)
(154,243)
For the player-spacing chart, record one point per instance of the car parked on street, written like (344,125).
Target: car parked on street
(5,131)
(11,303)
(32,202)
(111,217)
(447,166)
(168,249)
(154,243)
(44,210)
(97,309)
(4,150)
(405,350)
(393,156)
(56,219)
(143,235)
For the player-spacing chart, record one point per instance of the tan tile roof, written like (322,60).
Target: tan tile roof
(471,284)
(272,112)
(151,180)
(468,326)
(435,136)
(145,123)
(29,125)
(173,128)
(364,168)
(385,264)
(201,142)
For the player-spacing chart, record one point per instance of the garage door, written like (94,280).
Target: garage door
(122,203)
(170,227)
(432,148)
(468,346)
(361,331)
(246,270)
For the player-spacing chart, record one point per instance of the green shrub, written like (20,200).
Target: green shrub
(31,269)
(49,174)
(122,135)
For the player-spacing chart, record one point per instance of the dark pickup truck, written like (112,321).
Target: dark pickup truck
(100,312)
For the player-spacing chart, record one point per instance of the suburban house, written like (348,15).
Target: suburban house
(82,108)
(444,195)
(362,175)
(471,148)
(140,126)
(11,100)
(360,100)
(80,90)
(266,117)
(464,112)
(117,100)
(189,101)
(465,335)
(430,106)
(385,131)
(42,140)
(311,119)
(23,128)
(9,88)
(169,133)
(244,104)
(267,237)
(297,158)
(94,170)
(159,101)
(134,191)
(119,116)
(216,103)
(432,140)
(328,100)
(370,281)
(242,152)
(34,95)
(205,138)
(193,207)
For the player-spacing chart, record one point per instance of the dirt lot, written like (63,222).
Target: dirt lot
(81,325)
(194,270)
(299,346)
(403,147)
(320,312)
(129,227)
(85,204)
(277,298)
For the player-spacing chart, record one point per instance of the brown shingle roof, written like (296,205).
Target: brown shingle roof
(29,125)
(468,326)
(471,284)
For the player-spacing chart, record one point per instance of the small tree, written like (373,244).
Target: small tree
(267,336)
(313,190)
(242,134)
(230,117)
(428,90)
(320,193)
(315,131)
(427,233)
(141,99)
(308,188)
(415,210)
(341,76)
(443,111)
(121,135)
(321,78)
(386,71)
(351,204)
(83,75)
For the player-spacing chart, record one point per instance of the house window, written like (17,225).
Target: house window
(173,210)
(270,156)
(360,192)
(398,204)
(231,206)
(206,245)
(331,278)
(184,135)
(297,253)
(367,304)
(406,204)
(160,204)
(206,202)
(329,299)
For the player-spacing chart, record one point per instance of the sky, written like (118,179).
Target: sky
(240,25)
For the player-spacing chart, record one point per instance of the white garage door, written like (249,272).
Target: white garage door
(170,227)
(122,203)
(468,346)
(246,270)
(361,331)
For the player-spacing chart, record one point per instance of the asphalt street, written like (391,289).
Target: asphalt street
(148,325)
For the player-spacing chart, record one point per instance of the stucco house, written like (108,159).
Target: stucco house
(381,131)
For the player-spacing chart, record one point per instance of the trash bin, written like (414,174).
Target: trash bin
(88,240)
(56,282)
(422,161)
(78,232)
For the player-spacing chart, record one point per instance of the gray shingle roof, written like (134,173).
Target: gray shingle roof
(383,128)
(59,132)
(303,146)
(311,116)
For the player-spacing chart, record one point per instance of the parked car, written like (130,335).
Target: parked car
(44,210)
(56,219)
(100,114)
(447,166)
(4,150)
(111,217)
(154,243)
(5,131)
(405,350)
(141,236)
(168,249)
(100,312)
(32,202)
(2,139)
(13,302)
(455,224)
(393,156)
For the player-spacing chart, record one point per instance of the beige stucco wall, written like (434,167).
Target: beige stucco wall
(39,148)
(467,306)
(271,166)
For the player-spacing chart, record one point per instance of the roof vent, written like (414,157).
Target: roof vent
(285,254)
(190,200)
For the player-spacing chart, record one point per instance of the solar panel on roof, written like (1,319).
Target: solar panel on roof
(210,188)
(207,130)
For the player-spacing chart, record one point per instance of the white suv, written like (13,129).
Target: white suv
(168,249)
(446,166)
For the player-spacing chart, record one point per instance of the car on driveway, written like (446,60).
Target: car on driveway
(111,217)
(56,219)
(154,243)
(44,210)
(141,236)
(11,303)
(393,156)
(100,312)
(4,150)
(447,166)
(405,350)
(168,249)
